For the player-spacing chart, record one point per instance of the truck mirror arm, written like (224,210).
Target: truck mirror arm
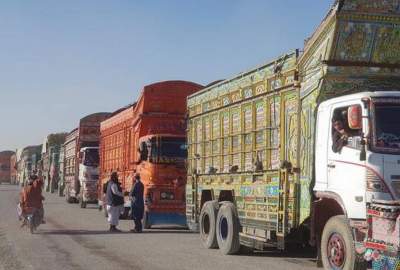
(363,154)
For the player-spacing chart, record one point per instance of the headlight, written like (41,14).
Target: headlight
(396,187)
(375,184)
(166,195)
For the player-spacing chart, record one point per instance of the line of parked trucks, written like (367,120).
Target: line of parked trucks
(249,161)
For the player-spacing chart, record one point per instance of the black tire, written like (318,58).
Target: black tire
(227,229)
(146,222)
(246,250)
(337,246)
(207,224)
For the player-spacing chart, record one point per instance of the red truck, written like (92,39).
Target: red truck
(149,138)
(82,160)
(5,166)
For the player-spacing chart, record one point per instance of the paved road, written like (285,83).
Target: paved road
(76,239)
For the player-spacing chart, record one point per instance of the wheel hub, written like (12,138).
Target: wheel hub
(336,251)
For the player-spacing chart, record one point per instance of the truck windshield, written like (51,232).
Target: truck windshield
(387,128)
(173,147)
(169,150)
(91,157)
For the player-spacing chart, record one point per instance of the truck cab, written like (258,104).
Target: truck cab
(366,167)
(162,168)
(88,175)
(357,155)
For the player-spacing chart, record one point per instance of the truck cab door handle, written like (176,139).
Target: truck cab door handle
(332,166)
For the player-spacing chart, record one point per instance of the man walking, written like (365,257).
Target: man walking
(115,201)
(136,196)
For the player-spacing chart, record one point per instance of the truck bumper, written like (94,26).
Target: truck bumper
(166,219)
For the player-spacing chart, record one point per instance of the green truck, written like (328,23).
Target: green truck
(50,160)
(265,166)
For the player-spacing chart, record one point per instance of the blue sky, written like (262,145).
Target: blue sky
(61,60)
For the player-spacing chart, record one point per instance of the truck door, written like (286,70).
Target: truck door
(346,173)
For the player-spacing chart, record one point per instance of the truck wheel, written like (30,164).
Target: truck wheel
(208,217)
(337,246)
(146,223)
(228,229)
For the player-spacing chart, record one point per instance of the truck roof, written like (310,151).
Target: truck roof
(361,95)
(247,77)
(94,117)
(7,153)
(166,97)
(119,116)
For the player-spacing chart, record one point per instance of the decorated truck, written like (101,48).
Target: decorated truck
(81,160)
(50,160)
(291,152)
(61,172)
(5,166)
(149,138)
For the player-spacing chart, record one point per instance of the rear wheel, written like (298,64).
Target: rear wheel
(208,216)
(228,229)
(337,246)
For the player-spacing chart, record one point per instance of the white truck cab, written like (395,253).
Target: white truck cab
(368,165)
(88,175)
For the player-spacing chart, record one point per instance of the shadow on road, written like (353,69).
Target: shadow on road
(303,256)
(293,256)
(102,232)
(76,232)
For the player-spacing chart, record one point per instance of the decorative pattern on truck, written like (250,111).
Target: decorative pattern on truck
(274,141)
(243,151)
(372,6)
(368,42)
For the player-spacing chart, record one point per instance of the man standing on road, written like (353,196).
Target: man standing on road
(136,196)
(115,201)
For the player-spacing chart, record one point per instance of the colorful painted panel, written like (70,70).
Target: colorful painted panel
(387,49)
(260,115)
(355,41)
(372,6)
(291,129)
(275,133)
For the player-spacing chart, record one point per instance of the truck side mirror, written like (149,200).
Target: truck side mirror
(143,151)
(80,156)
(354,117)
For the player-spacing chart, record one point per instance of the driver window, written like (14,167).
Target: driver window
(346,128)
